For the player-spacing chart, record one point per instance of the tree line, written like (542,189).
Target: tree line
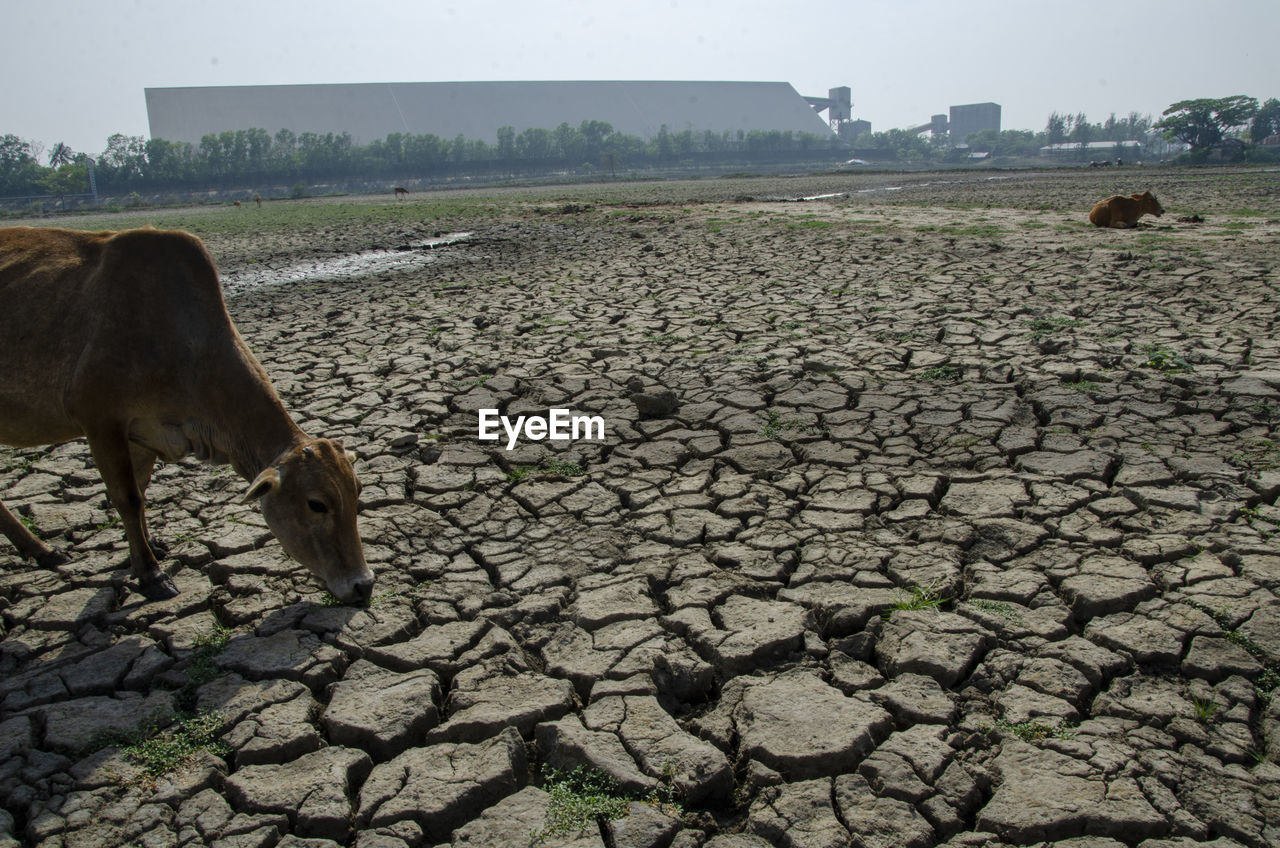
(251,157)
(1203,124)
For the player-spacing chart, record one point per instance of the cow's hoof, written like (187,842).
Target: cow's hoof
(158,588)
(53,558)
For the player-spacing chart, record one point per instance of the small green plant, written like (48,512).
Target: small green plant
(562,468)
(160,753)
(917,598)
(1000,608)
(1205,708)
(940,374)
(1045,326)
(666,793)
(579,800)
(555,467)
(775,426)
(112,520)
(1032,731)
(1257,455)
(1084,387)
(1167,361)
(519,472)
(201,667)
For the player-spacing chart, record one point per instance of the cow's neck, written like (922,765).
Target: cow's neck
(246,423)
(253,434)
(251,456)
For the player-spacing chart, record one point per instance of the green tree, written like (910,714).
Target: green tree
(1056,128)
(61,155)
(1006,142)
(506,142)
(124,161)
(1082,131)
(1266,122)
(69,178)
(593,135)
(19,169)
(666,149)
(1205,122)
(906,146)
(534,143)
(257,152)
(170,163)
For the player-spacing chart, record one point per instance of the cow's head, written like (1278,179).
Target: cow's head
(1150,204)
(308,498)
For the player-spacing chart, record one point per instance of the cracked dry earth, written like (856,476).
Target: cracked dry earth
(925,516)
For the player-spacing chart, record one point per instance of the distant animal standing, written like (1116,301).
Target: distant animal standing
(1119,211)
(401,190)
(124,338)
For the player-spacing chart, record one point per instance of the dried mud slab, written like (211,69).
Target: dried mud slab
(926,514)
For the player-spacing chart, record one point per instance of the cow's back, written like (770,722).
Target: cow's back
(105,313)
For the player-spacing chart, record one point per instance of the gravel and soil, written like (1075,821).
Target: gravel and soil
(927,514)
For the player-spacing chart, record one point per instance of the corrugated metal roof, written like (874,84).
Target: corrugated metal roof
(477,110)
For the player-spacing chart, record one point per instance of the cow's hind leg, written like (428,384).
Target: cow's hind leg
(115,461)
(26,542)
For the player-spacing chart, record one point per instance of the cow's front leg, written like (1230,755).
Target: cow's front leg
(144,463)
(115,462)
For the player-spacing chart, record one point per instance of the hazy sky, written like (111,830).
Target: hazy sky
(75,71)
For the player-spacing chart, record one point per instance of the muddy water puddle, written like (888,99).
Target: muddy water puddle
(352,266)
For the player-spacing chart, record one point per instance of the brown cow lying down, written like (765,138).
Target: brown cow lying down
(124,338)
(1120,211)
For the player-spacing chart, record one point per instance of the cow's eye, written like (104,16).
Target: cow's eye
(317,506)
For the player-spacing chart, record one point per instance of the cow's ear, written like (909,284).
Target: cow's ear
(265,482)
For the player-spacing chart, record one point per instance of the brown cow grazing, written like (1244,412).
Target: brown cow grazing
(124,338)
(1119,211)
(401,190)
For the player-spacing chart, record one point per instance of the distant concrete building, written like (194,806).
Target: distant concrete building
(851,130)
(973,118)
(476,110)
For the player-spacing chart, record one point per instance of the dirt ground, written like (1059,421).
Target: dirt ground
(925,514)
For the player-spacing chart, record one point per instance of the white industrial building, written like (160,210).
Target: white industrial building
(476,110)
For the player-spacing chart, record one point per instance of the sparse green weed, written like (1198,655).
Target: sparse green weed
(1041,327)
(940,374)
(1164,360)
(1033,731)
(916,598)
(1000,608)
(1205,708)
(579,800)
